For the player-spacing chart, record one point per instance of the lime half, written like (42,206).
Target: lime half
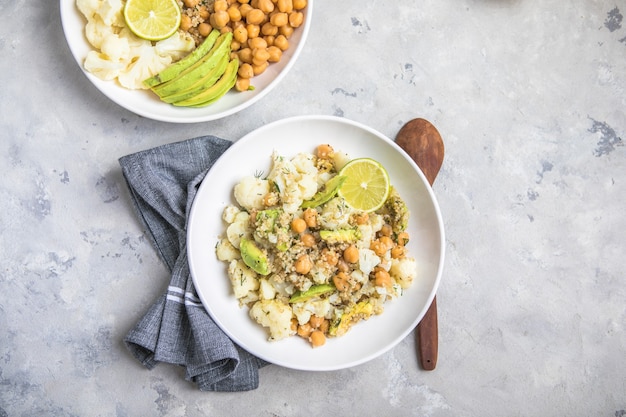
(153,20)
(366,186)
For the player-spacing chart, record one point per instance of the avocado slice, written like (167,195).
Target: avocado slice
(314,291)
(340,235)
(326,193)
(254,257)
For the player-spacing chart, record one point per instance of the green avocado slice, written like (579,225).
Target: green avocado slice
(254,257)
(314,291)
(327,193)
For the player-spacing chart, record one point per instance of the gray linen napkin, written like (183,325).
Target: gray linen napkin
(163,182)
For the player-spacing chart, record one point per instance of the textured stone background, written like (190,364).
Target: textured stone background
(530,99)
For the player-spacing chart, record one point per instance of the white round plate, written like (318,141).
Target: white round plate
(145,103)
(252,154)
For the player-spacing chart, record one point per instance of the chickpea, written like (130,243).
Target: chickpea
(281,42)
(285,6)
(245,71)
(275,53)
(304,330)
(324,151)
(303,265)
(234,14)
(219,19)
(203,12)
(403,238)
(191,3)
(204,29)
(244,9)
(308,240)
(245,55)
(220,5)
(386,241)
(330,257)
(269,199)
(324,326)
(298,225)
(257,43)
(362,218)
(259,69)
(316,321)
(242,84)
(240,34)
(351,254)
(317,338)
(286,31)
(310,217)
(260,56)
(296,19)
(244,1)
(398,252)
(185,22)
(255,17)
(268,29)
(382,278)
(341,281)
(266,6)
(385,230)
(269,39)
(378,247)
(342,265)
(226,29)
(253,30)
(279,19)
(299,4)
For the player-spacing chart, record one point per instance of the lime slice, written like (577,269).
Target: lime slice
(366,187)
(153,20)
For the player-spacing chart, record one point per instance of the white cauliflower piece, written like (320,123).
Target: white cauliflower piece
(96,31)
(176,46)
(116,48)
(101,66)
(335,214)
(404,271)
(238,229)
(230,213)
(243,279)
(110,11)
(266,290)
(249,192)
(274,315)
(88,7)
(295,178)
(144,63)
(225,251)
(303,311)
(340,159)
(367,260)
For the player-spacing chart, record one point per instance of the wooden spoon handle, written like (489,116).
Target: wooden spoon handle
(428,338)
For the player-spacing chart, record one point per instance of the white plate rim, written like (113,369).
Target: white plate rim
(197,206)
(145,104)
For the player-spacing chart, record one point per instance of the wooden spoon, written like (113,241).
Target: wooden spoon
(421,140)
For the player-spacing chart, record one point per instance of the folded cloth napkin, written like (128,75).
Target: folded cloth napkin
(177,329)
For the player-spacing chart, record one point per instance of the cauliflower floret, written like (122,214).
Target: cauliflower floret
(96,31)
(367,260)
(335,214)
(116,48)
(225,251)
(238,229)
(88,7)
(266,290)
(404,271)
(296,179)
(249,192)
(144,63)
(111,12)
(340,159)
(242,278)
(101,66)
(303,311)
(274,315)
(230,213)
(176,46)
